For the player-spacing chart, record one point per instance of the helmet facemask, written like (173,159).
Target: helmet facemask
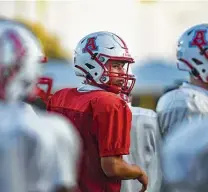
(118,76)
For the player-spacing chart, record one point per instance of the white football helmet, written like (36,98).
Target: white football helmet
(20,61)
(192,52)
(94,51)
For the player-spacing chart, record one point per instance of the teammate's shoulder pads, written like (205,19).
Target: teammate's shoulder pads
(173,99)
(143,111)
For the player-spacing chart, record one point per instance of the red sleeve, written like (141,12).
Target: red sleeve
(56,100)
(113,120)
(50,103)
(48,106)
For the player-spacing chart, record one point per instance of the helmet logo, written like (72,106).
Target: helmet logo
(90,45)
(199,39)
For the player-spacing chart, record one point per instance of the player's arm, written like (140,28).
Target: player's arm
(115,166)
(114,122)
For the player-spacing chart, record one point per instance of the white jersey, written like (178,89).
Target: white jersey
(68,144)
(181,104)
(145,138)
(185,157)
(68,147)
(30,150)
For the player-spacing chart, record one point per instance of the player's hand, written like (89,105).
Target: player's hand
(144,181)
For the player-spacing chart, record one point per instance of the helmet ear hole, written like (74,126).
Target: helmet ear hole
(203,70)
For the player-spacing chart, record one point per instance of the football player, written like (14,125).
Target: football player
(35,149)
(190,99)
(101,116)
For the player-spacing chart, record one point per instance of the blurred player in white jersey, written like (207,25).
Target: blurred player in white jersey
(35,150)
(144,148)
(191,99)
(185,156)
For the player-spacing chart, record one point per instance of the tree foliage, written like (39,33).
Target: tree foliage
(50,42)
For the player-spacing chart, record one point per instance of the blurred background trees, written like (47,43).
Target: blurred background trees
(50,42)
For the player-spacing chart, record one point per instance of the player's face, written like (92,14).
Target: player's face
(116,68)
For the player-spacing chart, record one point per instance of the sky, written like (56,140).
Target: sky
(150,30)
(84,17)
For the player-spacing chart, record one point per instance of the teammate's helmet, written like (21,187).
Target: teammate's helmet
(20,60)
(94,51)
(192,52)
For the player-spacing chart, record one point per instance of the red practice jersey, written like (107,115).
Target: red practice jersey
(104,121)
